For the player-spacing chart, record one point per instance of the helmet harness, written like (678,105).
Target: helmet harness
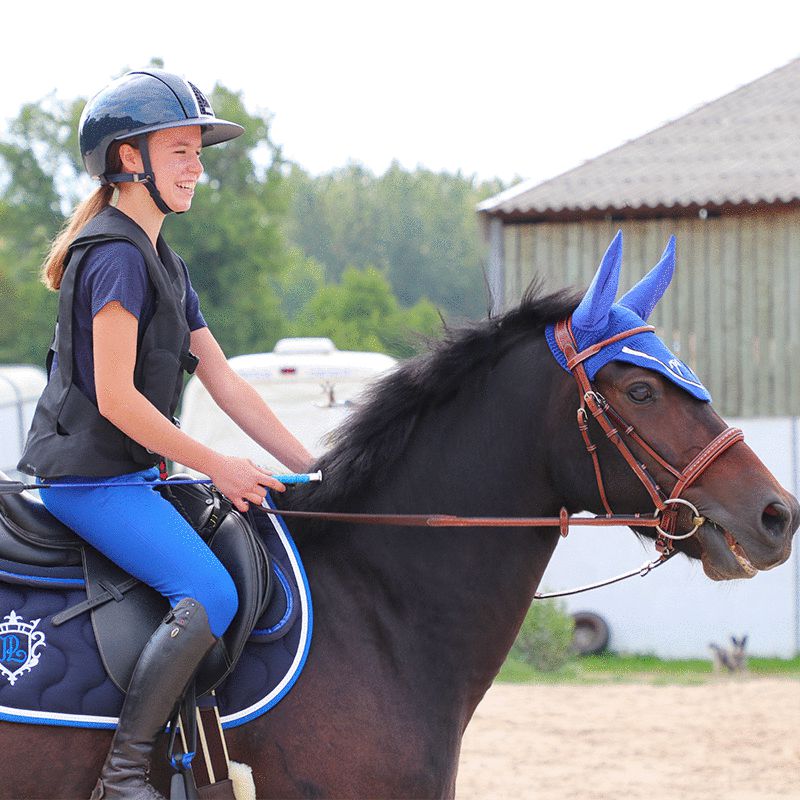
(147,177)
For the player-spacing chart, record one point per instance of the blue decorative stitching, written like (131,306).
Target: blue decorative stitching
(75,722)
(287,591)
(39,579)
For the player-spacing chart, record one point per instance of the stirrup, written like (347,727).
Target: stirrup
(211,778)
(182,785)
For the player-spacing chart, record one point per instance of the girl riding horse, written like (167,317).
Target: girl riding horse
(129,326)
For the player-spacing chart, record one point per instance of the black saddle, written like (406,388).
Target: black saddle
(125,612)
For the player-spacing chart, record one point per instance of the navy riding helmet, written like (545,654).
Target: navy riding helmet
(139,103)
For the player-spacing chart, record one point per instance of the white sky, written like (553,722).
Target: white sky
(497,88)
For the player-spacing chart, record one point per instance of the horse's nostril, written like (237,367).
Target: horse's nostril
(775,518)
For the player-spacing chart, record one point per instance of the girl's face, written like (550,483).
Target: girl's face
(175,158)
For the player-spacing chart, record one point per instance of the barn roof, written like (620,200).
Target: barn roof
(742,149)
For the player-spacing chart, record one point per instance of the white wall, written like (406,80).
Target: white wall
(20,387)
(676,611)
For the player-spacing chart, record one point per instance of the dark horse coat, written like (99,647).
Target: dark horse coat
(412,624)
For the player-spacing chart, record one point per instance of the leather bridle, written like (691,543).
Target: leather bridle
(615,428)
(591,402)
(667,506)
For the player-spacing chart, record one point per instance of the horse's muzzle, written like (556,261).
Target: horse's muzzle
(739,548)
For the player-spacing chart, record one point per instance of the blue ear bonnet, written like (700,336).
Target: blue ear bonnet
(598,318)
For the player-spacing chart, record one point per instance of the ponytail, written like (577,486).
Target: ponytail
(56,261)
(53,268)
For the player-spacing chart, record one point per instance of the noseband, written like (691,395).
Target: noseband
(615,428)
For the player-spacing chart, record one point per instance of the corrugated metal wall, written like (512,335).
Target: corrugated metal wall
(732,312)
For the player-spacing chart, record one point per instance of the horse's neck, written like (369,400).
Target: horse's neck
(446,603)
(458,594)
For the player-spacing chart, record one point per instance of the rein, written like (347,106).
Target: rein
(667,507)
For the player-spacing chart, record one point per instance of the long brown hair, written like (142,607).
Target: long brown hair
(53,268)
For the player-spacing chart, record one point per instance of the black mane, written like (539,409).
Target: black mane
(368,443)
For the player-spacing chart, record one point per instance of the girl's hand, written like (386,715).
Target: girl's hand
(242,481)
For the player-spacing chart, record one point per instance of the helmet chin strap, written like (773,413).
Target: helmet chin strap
(147,178)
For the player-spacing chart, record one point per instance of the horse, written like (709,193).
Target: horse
(412,624)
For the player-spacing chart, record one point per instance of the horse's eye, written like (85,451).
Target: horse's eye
(640,393)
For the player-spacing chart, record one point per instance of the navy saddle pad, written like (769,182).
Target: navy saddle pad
(53,674)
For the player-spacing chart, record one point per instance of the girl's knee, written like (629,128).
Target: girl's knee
(221,602)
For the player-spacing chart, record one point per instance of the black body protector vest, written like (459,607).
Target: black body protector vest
(68,435)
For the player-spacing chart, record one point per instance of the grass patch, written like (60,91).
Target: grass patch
(614,668)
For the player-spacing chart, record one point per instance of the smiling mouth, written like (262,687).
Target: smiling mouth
(186,186)
(736,549)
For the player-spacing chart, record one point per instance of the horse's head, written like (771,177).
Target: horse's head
(638,397)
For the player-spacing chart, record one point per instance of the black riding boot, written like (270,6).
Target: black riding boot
(165,667)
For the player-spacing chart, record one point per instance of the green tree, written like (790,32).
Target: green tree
(233,237)
(362,313)
(412,237)
(32,161)
(301,278)
(419,227)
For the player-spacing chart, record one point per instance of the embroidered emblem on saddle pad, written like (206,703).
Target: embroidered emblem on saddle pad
(19,643)
(70,686)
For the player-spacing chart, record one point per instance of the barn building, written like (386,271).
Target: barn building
(725,179)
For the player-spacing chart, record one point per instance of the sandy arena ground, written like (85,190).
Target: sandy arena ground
(729,739)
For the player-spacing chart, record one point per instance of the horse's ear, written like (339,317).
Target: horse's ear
(643,297)
(592,313)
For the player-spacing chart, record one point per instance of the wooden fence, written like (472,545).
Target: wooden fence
(732,312)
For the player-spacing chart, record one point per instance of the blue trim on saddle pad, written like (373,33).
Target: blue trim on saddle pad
(289,599)
(53,675)
(305,621)
(23,578)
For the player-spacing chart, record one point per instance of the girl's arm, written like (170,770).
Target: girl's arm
(243,404)
(114,335)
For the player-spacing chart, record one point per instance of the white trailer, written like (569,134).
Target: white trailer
(20,387)
(309,384)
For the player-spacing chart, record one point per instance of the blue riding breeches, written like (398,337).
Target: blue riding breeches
(136,528)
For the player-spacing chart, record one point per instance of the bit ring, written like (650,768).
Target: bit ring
(697,520)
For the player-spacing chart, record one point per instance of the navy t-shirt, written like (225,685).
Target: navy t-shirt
(114,271)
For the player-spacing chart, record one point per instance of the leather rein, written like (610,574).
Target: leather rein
(665,517)
(591,402)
